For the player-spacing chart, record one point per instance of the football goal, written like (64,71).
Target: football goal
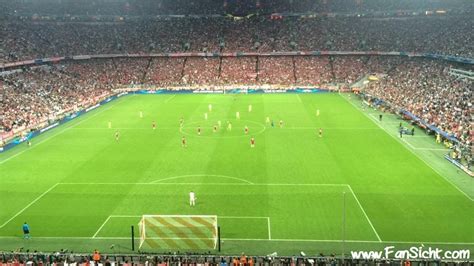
(178,232)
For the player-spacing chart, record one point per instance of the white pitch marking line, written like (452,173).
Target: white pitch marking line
(299,98)
(167,100)
(256,239)
(209,184)
(27,206)
(423,149)
(60,132)
(242,217)
(339,240)
(269,230)
(210,127)
(331,128)
(365,214)
(419,157)
(125,128)
(125,216)
(408,143)
(102,226)
(432,149)
(220,217)
(202,175)
(223,217)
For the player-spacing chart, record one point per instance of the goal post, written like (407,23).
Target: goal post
(178,232)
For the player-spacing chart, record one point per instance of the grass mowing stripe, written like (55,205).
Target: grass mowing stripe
(418,156)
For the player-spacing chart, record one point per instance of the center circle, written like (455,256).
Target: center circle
(237,129)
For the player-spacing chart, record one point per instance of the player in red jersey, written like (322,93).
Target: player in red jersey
(117,135)
(215,128)
(199,130)
(153,125)
(320,132)
(183,142)
(246,129)
(252,143)
(281,123)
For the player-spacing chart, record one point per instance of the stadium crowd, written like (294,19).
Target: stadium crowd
(30,39)
(188,7)
(426,89)
(66,257)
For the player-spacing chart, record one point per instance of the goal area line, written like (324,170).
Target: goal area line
(266,218)
(255,240)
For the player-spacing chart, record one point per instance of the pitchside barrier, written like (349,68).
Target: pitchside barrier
(66,259)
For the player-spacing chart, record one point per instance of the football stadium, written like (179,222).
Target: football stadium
(236,132)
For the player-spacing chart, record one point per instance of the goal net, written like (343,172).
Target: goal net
(177,232)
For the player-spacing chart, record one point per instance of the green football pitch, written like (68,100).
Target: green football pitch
(357,187)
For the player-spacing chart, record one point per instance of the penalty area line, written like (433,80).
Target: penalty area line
(365,214)
(102,226)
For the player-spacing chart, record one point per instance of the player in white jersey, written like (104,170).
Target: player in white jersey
(141,114)
(210,107)
(250,108)
(267,120)
(110,124)
(317,112)
(237,115)
(219,123)
(192,199)
(205,116)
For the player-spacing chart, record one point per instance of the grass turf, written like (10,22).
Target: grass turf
(76,177)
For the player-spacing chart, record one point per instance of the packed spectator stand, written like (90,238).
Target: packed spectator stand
(26,38)
(66,257)
(191,7)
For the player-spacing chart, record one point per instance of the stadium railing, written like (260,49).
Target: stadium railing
(65,257)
